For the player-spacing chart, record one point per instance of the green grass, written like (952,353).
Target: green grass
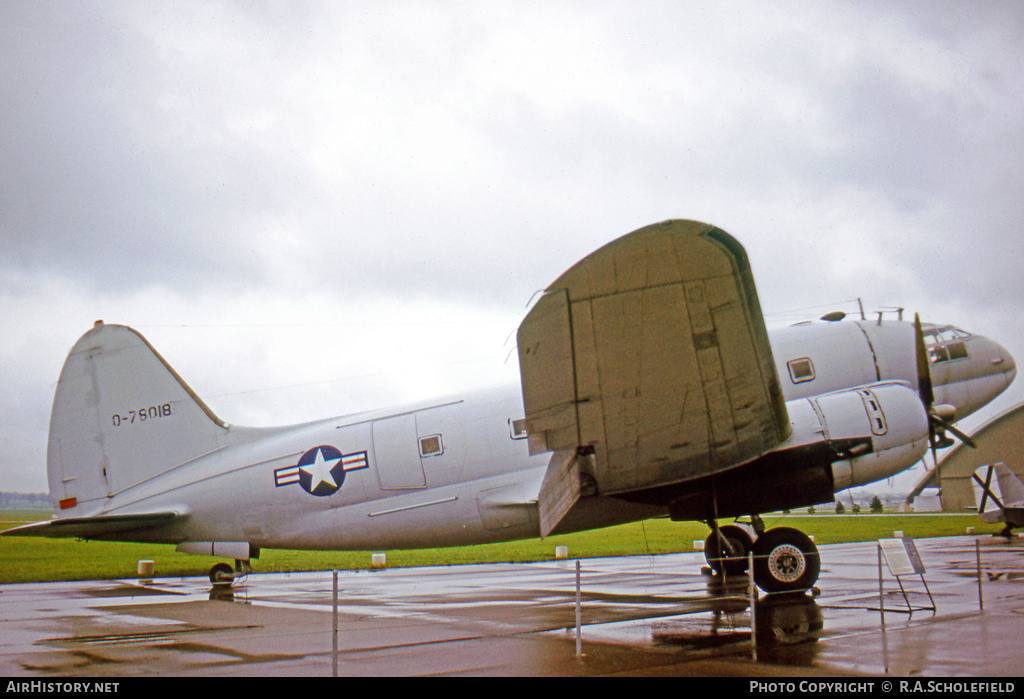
(36,559)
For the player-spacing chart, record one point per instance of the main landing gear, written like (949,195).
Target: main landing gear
(223,575)
(785,559)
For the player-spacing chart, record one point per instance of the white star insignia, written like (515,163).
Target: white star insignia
(320,470)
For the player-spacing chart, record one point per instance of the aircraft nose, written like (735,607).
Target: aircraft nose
(1007,363)
(989,370)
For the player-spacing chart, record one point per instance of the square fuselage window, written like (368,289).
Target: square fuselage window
(431,446)
(801,370)
(517,428)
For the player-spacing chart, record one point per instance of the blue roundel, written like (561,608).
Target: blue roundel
(321,471)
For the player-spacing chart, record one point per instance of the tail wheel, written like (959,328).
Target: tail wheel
(718,556)
(785,560)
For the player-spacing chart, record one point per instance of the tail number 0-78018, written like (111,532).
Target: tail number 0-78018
(141,415)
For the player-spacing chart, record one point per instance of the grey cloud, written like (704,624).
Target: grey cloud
(473,152)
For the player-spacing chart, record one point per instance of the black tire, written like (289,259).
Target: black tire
(785,560)
(719,560)
(222,574)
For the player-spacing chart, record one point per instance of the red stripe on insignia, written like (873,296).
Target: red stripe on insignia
(354,462)
(68,503)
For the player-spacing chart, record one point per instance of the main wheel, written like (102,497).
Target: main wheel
(717,555)
(785,560)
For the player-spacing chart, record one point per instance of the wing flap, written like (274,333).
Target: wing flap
(652,355)
(549,392)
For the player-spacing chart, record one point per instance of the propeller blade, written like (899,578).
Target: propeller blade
(925,388)
(936,425)
(962,436)
(924,372)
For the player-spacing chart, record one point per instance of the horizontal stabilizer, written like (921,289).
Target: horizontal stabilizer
(103,527)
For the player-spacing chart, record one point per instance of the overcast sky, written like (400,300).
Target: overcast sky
(316,208)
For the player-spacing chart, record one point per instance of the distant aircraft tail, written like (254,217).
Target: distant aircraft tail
(996,489)
(121,416)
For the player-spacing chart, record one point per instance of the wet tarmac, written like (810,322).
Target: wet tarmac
(641,615)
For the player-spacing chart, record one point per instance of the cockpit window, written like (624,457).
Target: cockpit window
(948,352)
(935,334)
(945,343)
(957,350)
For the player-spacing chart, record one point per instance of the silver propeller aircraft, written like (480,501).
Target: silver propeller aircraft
(650,387)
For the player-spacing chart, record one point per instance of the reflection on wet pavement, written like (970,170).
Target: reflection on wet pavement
(641,615)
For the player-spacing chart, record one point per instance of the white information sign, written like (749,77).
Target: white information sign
(901,556)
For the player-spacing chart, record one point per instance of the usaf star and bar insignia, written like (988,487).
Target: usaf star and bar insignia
(321,470)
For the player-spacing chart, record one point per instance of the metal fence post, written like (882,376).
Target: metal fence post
(881,594)
(334,629)
(579,637)
(753,607)
(977,556)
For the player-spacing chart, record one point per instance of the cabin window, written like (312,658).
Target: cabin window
(431,446)
(517,428)
(801,370)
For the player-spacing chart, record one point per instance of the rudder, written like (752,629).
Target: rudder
(121,416)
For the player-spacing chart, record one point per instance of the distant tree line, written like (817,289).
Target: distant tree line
(876,506)
(12,501)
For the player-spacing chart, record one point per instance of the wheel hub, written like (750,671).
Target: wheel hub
(786,563)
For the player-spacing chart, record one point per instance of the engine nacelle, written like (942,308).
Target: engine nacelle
(875,431)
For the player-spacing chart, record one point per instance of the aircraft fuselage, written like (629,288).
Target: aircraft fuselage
(650,386)
(458,471)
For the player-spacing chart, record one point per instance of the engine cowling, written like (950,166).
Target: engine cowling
(875,431)
(838,440)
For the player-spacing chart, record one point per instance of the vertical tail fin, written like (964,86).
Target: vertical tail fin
(987,495)
(1011,486)
(997,489)
(121,416)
